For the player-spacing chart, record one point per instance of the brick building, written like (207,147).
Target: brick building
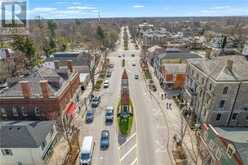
(42,95)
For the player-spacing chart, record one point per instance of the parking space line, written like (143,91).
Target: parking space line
(128,139)
(126,154)
(135,160)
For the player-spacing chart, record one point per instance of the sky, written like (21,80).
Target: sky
(56,9)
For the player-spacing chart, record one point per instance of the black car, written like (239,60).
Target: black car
(104,143)
(133,55)
(95,101)
(89,116)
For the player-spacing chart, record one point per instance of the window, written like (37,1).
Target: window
(24,113)
(37,111)
(218,117)
(225,90)
(43,145)
(222,103)
(218,153)
(234,116)
(210,87)
(3,112)
(6,152)
(14,111)
(230,150)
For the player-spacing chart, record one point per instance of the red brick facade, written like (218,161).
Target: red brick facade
(41,108)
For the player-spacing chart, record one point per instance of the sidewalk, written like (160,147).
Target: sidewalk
(189,142)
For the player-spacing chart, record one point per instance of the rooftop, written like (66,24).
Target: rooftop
(175,68)
(216,67)
(34,79)
(239,137)
(178,55)
(24,134)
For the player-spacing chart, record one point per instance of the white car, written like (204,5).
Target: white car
(106,84)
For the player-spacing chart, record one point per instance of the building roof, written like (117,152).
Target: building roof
(154,48)
(24,134)
(239,137)
(178,55)
(175,68)
(216,67)
(78,58)
(34,79)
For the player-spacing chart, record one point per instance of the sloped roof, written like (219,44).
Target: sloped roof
(24,134)
(239,137)
(34,79)
(216,67)
(178,55)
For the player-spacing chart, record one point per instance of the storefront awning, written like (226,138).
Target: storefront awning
(71,109)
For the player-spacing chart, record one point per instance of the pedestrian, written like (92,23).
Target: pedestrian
(170,106)
(162,96)
(167,106)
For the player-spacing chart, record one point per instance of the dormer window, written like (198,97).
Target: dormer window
(14,111)
(37,111)
(230,150)
(3,112)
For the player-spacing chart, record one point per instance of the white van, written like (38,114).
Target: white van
(106,84)
(86,152)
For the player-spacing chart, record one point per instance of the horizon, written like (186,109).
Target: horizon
(69,9)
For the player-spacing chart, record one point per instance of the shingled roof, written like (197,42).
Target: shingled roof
(34,79)
(217,69)
(24,134)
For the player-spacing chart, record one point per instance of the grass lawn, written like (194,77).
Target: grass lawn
(125,125)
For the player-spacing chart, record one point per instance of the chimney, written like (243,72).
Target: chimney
(69,65)
(229,64)
(44,88)
(26,89)
(56,64)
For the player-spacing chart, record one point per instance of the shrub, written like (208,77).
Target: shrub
(98,84)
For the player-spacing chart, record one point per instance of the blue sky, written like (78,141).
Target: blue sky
(135,8)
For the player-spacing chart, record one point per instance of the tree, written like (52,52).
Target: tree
(25,45)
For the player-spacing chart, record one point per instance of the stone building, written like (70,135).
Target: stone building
(216,90)
(42,95)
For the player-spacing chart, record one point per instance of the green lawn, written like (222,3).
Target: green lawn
(125,125)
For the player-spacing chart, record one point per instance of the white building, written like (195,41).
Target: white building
(26,142)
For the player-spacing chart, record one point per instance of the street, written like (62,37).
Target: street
(150,141)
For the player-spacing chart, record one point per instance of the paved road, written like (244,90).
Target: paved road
(151,140)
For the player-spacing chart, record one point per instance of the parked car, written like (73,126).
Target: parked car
(108,74)
(133,55)
(95,101)
(133,64)
(86,151)
(109,115)
(119,56)
(104,143)
(89,116)
(136,76)
(106,84)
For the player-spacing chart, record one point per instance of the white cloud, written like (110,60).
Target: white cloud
(81,8)
(225,10)
(41,10)
(220,7)
(138,6)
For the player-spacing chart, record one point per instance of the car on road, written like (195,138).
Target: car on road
(89,117)
(133,55)
(106,84)
(111,65)
(108,74)
(133,64)
(95,101)
(119,56)
(109,115)
(104,142)
(86,151)
(136,76)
